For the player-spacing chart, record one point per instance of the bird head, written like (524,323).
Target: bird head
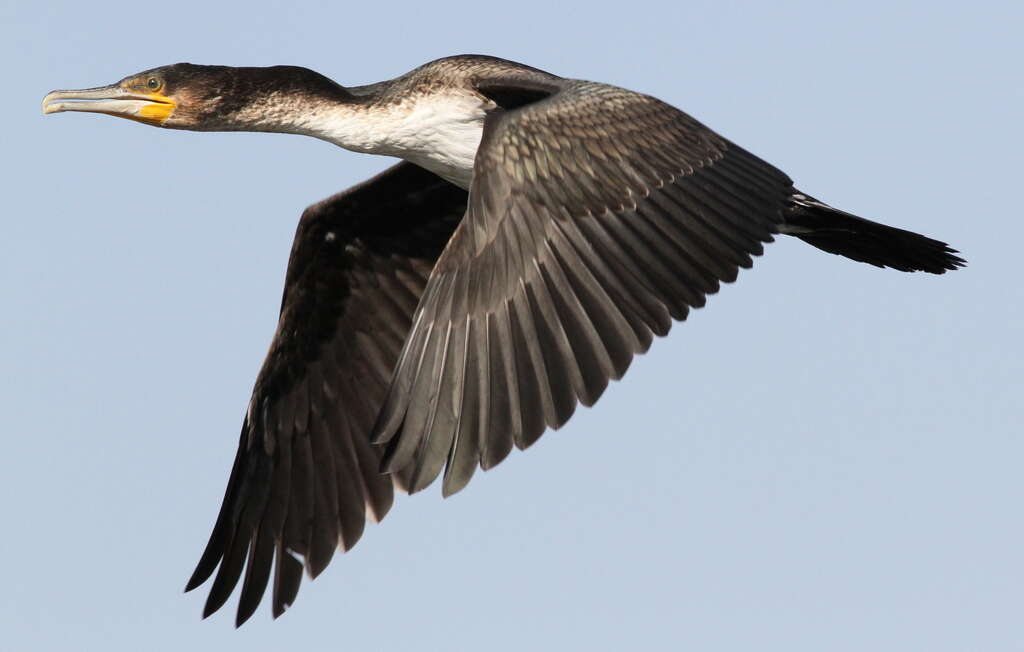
(202,98)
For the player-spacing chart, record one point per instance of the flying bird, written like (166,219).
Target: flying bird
(536,236)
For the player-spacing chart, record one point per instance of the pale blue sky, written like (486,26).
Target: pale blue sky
(828,457)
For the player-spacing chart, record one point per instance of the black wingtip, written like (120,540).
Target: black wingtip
(212,555)
(196,580)
(243,616)
(209,608)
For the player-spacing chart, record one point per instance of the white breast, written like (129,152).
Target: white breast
(438,132)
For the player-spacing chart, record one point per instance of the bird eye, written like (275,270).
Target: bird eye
(153,83)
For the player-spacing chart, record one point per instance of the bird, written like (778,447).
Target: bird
(536,235)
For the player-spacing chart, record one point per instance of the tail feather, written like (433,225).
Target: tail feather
(841,233)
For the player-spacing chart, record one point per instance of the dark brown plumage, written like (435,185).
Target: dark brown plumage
(306,474)
(585,253)
(425,329)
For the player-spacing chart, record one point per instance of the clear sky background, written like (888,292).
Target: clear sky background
(828,457)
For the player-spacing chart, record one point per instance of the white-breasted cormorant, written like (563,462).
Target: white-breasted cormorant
(424,327)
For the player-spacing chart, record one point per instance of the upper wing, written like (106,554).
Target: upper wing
(595,215)
(306,474)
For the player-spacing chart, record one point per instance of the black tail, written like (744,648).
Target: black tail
(847,235)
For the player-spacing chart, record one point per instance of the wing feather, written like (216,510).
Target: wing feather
(307,475)
(596,217)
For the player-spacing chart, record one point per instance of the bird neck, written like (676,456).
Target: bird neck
(438,130)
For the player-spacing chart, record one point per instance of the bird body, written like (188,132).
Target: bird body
(538,234)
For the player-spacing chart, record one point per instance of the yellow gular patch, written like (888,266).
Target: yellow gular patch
(159,111)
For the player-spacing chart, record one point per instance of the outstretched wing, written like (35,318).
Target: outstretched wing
(596,216)
(306,474)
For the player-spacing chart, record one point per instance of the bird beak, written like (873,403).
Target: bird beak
(149,108)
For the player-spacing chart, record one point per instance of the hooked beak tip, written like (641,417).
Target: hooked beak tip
(51,107)
(48,105)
